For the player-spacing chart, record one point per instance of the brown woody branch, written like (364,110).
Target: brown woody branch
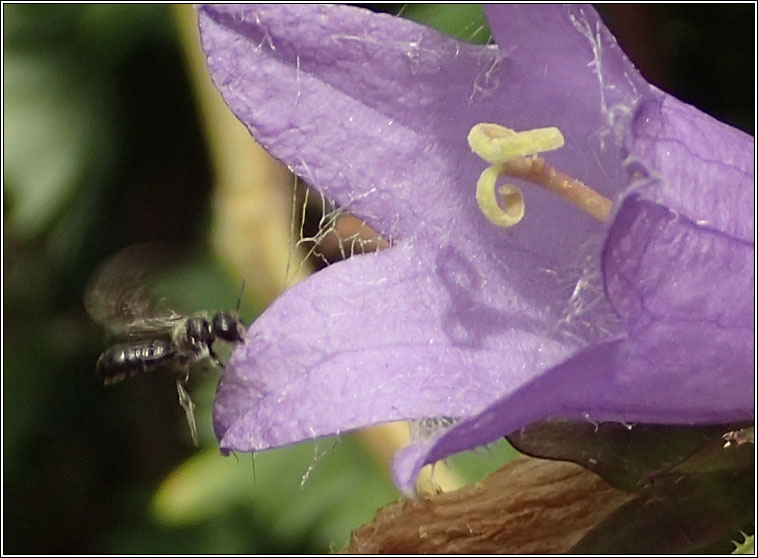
(528,506)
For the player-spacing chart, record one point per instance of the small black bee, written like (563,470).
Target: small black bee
(149,338)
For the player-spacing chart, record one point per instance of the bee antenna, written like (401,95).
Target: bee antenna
(239,299)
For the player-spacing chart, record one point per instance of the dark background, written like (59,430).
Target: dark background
(103,148)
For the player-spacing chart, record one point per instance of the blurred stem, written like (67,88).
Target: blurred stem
(384,440)
(252,197)
(253,214)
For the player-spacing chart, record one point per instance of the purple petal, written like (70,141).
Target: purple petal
(367,341)
(566,54)
(695,165)
(362,106)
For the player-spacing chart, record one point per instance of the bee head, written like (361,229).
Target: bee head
(227,327)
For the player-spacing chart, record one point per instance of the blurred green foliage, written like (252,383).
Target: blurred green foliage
(103,149)
(746,545)
(462,21)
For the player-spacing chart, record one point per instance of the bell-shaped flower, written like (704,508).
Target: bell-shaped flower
(611,281)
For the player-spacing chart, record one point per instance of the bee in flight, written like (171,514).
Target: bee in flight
(148,337)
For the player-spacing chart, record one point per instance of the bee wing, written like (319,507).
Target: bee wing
(119,294)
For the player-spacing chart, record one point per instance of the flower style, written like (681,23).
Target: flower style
(641,315)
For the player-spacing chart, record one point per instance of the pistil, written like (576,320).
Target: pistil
(513,154)
(537,171)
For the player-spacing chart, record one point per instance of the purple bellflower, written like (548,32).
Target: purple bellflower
(642,313)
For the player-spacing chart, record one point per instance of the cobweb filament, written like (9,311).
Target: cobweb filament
(325,233)
(429,427)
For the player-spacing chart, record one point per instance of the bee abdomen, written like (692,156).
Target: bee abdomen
(128,359)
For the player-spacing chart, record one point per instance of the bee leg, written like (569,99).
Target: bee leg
(215,358)
(189,409)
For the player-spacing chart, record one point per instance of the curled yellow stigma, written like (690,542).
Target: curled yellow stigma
(512,209)
(498,144)
(514,154)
